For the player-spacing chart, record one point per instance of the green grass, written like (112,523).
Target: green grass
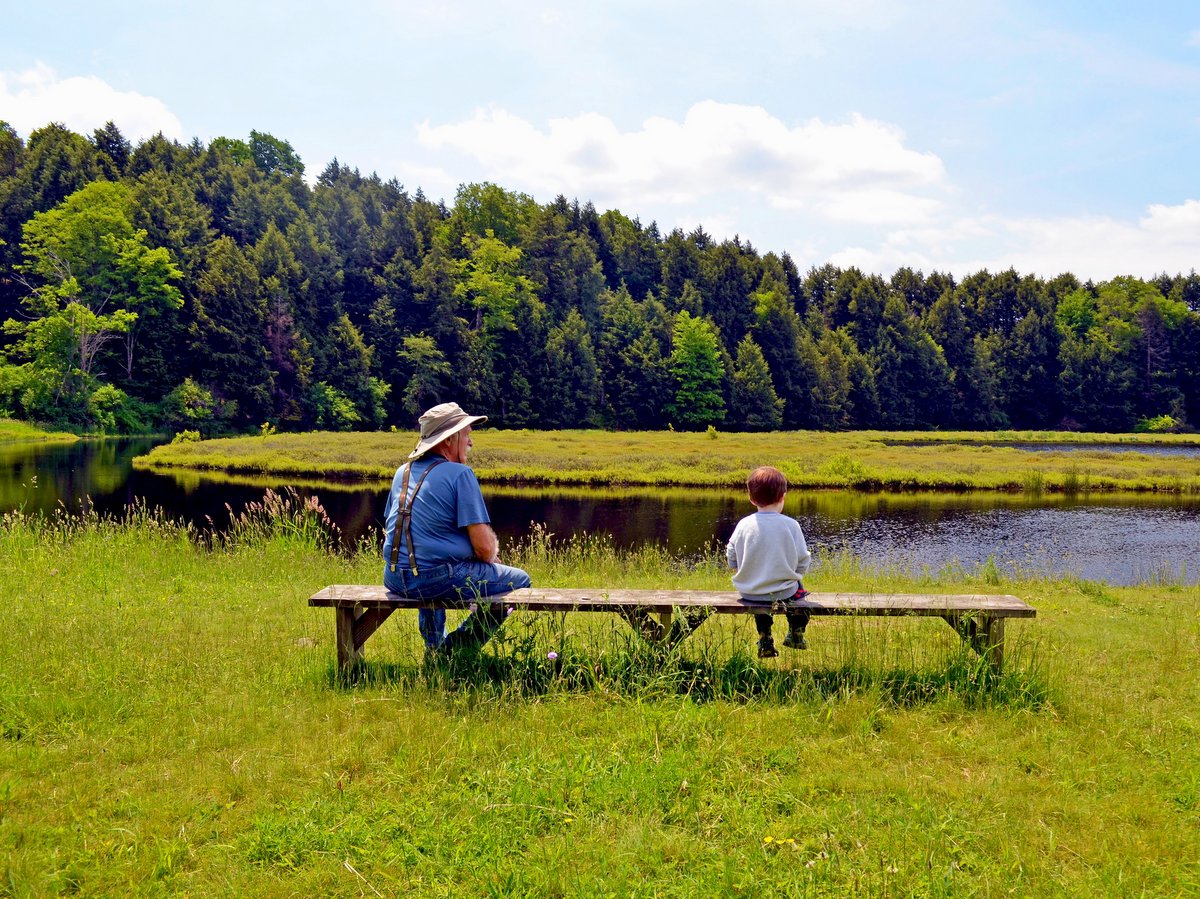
(21,431)
(170,724)
(870,460)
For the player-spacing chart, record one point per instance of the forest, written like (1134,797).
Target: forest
(212,289)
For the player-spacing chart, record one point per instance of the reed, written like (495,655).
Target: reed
(170,724)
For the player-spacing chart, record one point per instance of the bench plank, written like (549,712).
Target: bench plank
(723,602)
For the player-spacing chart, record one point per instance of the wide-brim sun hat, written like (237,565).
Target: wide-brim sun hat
(442,421)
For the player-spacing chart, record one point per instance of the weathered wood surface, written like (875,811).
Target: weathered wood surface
(540,599)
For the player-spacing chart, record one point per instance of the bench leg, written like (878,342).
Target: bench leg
(347,653)
(984,634)
(992,642)
(354,626)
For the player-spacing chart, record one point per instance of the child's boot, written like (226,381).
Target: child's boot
(795,639)
(797,622)
(766,645)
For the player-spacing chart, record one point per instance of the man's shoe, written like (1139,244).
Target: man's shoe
(766,648)
(795,640)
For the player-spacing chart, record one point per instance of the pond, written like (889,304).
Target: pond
(1120,539)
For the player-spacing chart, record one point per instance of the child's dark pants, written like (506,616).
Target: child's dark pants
(797,621)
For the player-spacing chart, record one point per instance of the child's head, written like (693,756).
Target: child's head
(766,486)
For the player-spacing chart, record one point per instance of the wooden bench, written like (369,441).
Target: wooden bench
(664,617)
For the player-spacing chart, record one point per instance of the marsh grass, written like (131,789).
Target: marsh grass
(170,724)
(865,460)
(13,431)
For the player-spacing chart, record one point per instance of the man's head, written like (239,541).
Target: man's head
(766,486)
(455,447)
(447,428)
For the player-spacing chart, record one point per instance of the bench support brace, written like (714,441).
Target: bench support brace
(983,633)
(669,630)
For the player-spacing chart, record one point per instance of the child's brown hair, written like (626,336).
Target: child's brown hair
(766,485)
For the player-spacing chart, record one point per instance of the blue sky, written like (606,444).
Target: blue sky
(1046,136)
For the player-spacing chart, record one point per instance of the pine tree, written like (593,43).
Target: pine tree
(635,379)
(228,335)
(572,388)
(756,406)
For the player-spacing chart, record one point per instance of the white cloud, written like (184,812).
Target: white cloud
(1177,223)
(1165,238)
(850,192)
(38,96)
(856,171)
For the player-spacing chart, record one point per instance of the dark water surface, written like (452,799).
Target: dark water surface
(1120,539)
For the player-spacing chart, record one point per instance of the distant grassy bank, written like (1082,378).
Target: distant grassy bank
(12,431)
(870,460)
(170,724)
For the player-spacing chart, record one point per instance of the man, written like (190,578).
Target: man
(438,541)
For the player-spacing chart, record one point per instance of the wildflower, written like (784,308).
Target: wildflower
(552,655)
(768,839)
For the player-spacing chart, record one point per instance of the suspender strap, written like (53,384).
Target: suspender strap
(404,516)
(400,515)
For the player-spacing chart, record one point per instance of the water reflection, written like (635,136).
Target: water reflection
(1118,538)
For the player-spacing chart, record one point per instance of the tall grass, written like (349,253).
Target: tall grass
(283,517)
(170,725)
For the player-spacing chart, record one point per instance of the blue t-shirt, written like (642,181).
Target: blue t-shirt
(449,500)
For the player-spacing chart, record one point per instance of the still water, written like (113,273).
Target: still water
(1119,539)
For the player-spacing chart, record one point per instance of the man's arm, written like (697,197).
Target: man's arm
(483,542)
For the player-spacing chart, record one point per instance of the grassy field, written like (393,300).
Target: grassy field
(170,724)
(11,430)
(862,459)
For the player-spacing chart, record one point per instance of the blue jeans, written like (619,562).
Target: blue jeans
(472,581)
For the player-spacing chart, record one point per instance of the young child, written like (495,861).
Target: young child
(771,556)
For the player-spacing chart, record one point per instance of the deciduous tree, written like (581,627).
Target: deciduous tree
(698,372)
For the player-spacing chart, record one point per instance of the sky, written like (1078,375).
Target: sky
(947,135)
